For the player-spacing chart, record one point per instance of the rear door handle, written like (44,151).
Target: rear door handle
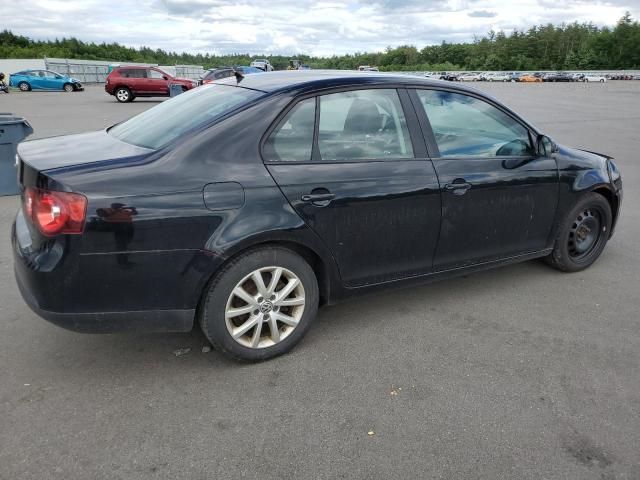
(457,188)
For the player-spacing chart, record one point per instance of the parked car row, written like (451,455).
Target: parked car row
(128,82)
(526,77)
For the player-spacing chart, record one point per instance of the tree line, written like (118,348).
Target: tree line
(544,47)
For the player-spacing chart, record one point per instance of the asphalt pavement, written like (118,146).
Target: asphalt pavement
(517,373)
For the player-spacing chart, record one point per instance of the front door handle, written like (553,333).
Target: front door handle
(457,187)
(318,199)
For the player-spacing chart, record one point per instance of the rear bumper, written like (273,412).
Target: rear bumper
(110,322)
(65,290)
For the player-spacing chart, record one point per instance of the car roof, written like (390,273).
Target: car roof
(289,80)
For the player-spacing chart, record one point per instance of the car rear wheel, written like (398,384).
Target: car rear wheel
(68,87)
(24,86)
(123,95)
(582,235)
(260,305)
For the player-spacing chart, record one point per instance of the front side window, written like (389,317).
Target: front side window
(155,75)
(169,120)
(292,140)
(465,126)
(363,124)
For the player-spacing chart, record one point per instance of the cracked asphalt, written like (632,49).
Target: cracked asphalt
(516,373)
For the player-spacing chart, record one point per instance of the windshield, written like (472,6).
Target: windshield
(160,125)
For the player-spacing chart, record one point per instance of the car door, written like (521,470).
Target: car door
(157,82)
(499,197)
(137,81)
(350,167)
(37,79)
(52,81)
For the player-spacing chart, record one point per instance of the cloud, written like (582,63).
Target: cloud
(318,27)
(482,14)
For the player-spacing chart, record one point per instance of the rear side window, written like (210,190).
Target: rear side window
(292,140)
(162,124)
(363,124)
(133,73)
(465,126)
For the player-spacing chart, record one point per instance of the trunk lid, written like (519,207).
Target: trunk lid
(69,150)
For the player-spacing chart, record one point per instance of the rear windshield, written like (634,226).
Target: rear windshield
(160,125)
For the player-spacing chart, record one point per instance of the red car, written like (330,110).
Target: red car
(127,83)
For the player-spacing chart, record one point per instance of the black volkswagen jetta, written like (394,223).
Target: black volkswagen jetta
(247,203)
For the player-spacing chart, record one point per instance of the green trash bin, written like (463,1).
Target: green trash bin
(13,130)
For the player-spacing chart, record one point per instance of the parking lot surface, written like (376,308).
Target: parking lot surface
(520,372)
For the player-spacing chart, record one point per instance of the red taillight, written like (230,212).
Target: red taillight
(54,212)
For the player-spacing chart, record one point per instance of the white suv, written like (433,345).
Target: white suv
(262,64)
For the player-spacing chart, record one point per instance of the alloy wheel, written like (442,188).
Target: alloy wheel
(265,307)
(122,95)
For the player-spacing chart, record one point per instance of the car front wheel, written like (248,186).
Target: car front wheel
(24,86)
(260,305)
(68,87)
(123,95)
(582,235)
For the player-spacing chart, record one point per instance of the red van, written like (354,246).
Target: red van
(126,83)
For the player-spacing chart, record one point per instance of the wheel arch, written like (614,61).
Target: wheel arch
(120,85)
(612,198)
(322,271)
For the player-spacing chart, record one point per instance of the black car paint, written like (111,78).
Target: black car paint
(157,231)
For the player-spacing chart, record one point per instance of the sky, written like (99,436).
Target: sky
(288,27)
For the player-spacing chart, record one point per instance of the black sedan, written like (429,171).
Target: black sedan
(245,204)
(557,77)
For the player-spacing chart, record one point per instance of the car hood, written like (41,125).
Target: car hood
(179,79)
(69,150)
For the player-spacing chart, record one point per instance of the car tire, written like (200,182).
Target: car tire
(582,234)
(123,95)
(245,321)
(24,87)
(68,87)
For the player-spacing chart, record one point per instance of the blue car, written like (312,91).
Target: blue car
(28,80)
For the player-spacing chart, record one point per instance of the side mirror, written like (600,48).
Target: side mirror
(545,146)
(165,77)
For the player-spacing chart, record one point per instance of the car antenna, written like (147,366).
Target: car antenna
(238,74)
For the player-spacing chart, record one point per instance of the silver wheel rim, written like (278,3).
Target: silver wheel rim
(122,95)
(24,87)
(68,88)
(265,307)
